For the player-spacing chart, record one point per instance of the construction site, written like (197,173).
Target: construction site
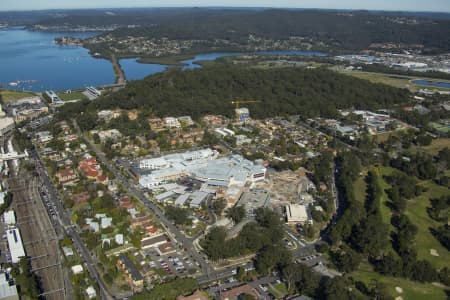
(291,187)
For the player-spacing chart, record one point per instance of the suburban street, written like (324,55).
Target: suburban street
(66,227)
(178,237)
(208,273)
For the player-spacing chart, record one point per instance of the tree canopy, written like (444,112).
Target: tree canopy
(211,89)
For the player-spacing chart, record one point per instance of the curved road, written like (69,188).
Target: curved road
(172,230)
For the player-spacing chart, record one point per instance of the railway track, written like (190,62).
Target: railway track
(38,235)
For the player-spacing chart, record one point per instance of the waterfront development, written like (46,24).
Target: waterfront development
(45,65)
(72,67)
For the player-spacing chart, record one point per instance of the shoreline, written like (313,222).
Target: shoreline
(166,60)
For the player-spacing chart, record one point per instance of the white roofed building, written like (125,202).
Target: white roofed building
(197,199)
(186,120)
(9,217)
(54,98)
(77,269)
(68,251)
(8,291)
(164,196)
(181,200)
(118,239)
(2,197)
(154,163)
(91,293)
(112,134)
(6,125)
(204,166)
(106,222)
(172,122)
(242,114)
(230,170)
(296,214)
(15,245)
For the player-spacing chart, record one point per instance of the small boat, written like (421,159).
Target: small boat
(13,84)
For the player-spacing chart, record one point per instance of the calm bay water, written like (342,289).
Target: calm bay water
(135,71)
(190,63)
(36,63)
(33,56)
(32,61)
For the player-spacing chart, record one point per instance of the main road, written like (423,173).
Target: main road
(208,273)
(67,228)
(137,193)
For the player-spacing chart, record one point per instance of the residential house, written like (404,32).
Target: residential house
(66,177)
(118,238)
(80,198)
(197,295)
(238,292)
(108,115)
(92,170)
(172,122)
(43,137)
(140,221)
(186,120)
(112,134)
(214,120)
(91,225)
(106,222)
(156,123)
(126,203)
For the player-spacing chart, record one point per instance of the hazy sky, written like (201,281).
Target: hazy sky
(410,5)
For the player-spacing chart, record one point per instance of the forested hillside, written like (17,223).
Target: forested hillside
(133,16)
(336,29)
(309,92)
(347,30)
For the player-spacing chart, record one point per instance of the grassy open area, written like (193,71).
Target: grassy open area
(440,126)
(416,210)
(9,96)
(278,290)
(411,290)
(160,271)
(359,188)
(72,96)
(398,81)
(437,145)
(382,137)
(380,78)
(386,212)
(194,230)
